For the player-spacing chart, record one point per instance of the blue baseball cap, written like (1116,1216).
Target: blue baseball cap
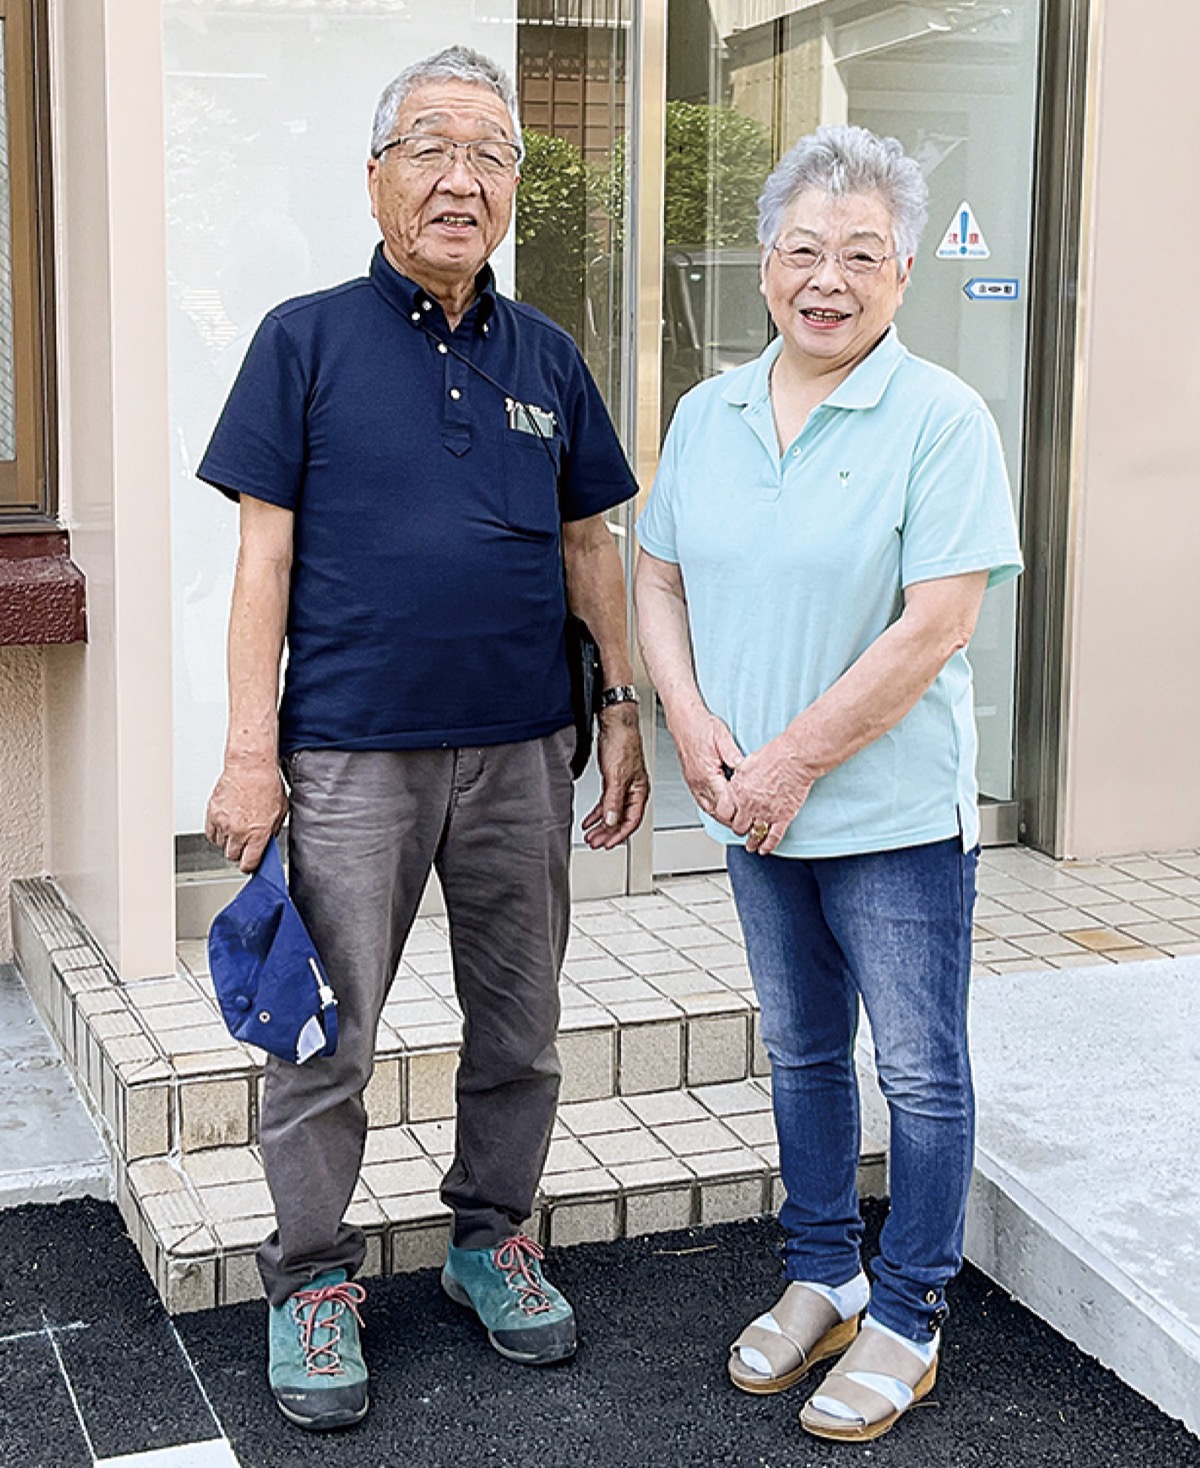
(269,979)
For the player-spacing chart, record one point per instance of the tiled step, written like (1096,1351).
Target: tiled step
(656,995)
(620,1166)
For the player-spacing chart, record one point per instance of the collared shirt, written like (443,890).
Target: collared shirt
(793,563)
(427,602)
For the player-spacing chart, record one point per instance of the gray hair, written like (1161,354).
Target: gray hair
(454,64)
(848,160)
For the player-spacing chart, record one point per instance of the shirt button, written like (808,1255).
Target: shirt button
(455,394)
(426,305)
(443,348)
(416,315)
(485,328)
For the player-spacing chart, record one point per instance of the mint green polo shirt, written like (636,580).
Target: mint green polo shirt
(794,563)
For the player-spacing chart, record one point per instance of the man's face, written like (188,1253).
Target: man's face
(439,226)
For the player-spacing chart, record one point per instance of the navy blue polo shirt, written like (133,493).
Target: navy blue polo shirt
(427,600)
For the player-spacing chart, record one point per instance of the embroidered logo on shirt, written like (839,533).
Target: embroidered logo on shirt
(844,476)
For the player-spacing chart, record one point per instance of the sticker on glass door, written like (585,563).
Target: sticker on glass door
(963,239)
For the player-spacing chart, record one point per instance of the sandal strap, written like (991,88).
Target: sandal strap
(782,1355)
(864,1401)
(876,1354)
(803,1318)
(803,1315)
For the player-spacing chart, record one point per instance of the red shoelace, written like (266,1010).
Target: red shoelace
(340,1297)
(517,1257)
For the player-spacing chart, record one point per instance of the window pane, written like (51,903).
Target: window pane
(8,405)
(955,83)
(269,108)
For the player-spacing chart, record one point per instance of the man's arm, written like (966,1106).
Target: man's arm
(249,802)
(596,593)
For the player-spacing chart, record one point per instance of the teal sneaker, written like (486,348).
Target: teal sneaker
(527,1319)
(316,1366)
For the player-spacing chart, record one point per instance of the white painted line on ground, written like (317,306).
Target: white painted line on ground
(31,1335)
(62,1370)
(191,1366)
(213,1454)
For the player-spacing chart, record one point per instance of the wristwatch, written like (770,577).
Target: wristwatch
(622,693)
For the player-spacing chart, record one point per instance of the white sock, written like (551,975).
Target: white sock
(848,1300)
(924,1351)
(895,1391)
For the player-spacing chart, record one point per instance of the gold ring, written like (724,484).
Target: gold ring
(760,829)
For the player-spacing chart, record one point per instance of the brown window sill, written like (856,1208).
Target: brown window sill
(42,591)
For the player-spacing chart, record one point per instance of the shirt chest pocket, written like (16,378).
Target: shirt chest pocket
(530,467)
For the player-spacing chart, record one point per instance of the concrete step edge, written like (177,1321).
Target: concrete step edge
(1030,1252)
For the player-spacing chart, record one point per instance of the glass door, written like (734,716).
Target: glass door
(268,114)
(955,81)
(573,80)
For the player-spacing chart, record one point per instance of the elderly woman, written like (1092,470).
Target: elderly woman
(815,550)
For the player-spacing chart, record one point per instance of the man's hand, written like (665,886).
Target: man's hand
(626,788)
(706,749)
(768,788)
(246,809)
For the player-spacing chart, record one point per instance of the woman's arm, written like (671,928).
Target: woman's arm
(703,741)
(870,697)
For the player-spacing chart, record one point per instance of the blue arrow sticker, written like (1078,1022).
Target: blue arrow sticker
(993,289)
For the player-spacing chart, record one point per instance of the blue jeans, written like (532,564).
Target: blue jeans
(894,928)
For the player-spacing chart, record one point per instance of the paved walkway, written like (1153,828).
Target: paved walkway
(49,1147)
(91,1370)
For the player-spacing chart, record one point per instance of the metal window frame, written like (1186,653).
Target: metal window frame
(1058,256)
(28,484)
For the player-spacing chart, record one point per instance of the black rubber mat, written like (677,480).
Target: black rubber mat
(647,1389)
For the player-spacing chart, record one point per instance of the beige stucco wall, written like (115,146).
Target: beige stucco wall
(109,704)
(1132,765)
(22,774)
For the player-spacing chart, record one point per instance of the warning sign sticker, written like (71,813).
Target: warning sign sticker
(963,239)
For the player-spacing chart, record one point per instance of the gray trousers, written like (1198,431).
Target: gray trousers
(366,827)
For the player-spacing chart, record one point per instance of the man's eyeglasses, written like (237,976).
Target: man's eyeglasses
(806,259)
(485,157)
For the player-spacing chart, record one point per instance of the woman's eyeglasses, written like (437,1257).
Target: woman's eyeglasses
(806,259)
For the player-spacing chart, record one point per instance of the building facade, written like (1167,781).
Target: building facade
(175,167)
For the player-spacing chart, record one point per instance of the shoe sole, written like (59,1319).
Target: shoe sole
(832,1343)
(869,1432)
(330,1422)
(460,1297)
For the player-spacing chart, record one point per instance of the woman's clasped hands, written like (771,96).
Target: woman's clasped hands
(756,795)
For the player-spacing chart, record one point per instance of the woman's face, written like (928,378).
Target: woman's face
(830,318)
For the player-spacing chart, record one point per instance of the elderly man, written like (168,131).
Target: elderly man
(417,460)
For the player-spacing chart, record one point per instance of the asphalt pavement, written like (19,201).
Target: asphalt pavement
(92,1369)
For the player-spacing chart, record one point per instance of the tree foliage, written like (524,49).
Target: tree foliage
(569,211)
(553,199)
(717,161)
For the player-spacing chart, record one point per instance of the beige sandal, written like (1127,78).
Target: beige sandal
(873,1355)
(810,1330)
